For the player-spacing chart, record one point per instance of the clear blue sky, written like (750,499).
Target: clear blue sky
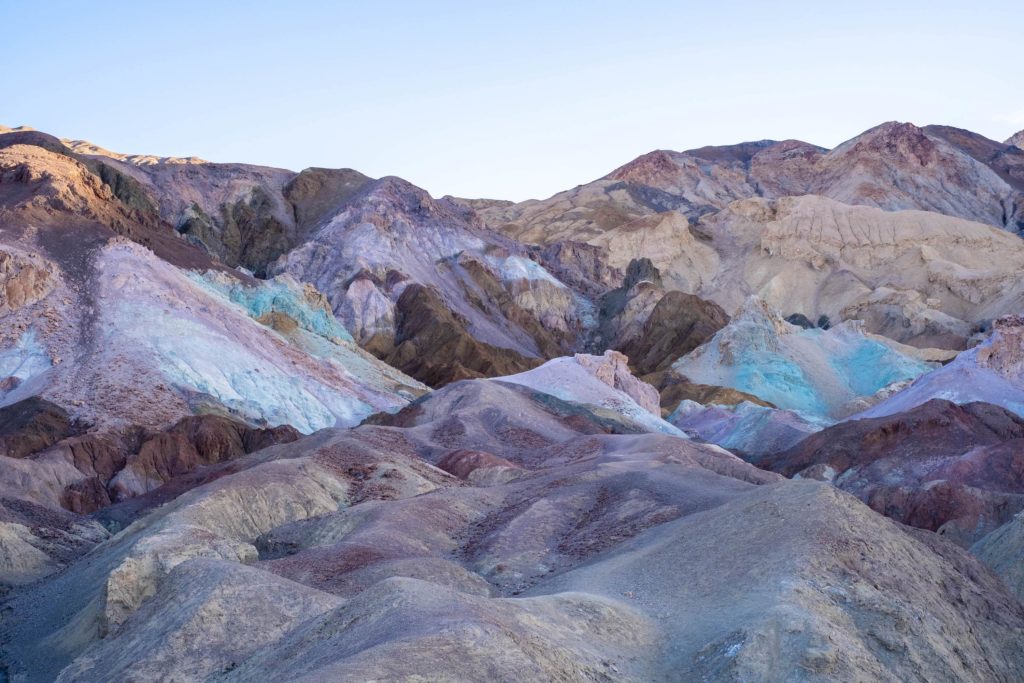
(514,101)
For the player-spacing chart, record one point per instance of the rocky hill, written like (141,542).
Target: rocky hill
(751,412)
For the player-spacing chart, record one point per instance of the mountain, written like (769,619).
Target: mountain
(822,242)
(117,332)
(894,166)
(750,412)
(1017,140)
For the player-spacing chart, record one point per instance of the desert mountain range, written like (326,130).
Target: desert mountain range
(752,412)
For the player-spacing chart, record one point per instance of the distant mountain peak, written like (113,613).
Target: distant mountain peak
(894,139)
(1017,139)
(89,149)
(647,167)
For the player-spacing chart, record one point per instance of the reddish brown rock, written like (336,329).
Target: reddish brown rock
(956,469)
(678,324)
(433,345)
(462,463)
(32,425)
(120,465)
(674,389)
(189,444)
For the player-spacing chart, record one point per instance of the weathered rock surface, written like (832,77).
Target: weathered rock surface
(32,425)
(36,541)
(476,298)
(1003,551)
(24,279)
(992,372)
(852,233)
(60,468)
(747,429)
(675,389)
(814,371)
(138,341)
(608,556)
(677,325)
(603,382)
(955,469)
(433,345)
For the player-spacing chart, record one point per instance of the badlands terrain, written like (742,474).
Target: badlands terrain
(739,413)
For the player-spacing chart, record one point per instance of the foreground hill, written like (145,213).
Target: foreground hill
(550,541)
(215,463)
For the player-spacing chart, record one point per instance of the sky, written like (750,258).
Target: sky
(503,100)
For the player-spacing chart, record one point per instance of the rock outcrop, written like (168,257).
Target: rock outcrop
(31,425)
(1003,551)
(49,462)
(677,325)
(943,467)
(814,371)
(600,382)
(747,429)
(675,388)
(433,345)
(992,372)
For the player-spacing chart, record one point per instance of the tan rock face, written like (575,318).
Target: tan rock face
(1005,355)
(24,279)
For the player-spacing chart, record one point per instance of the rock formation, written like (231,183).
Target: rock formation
(747,429)
(990,372)
(814,371)
(814,232)
(608,555)
(218,461)
(955,469)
